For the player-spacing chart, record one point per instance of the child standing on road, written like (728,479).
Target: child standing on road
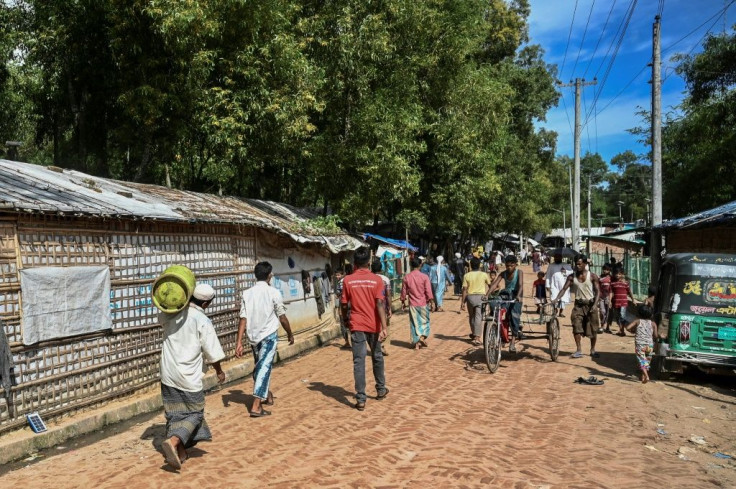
(540,291)
(621,292)
(604,302)
(646,334)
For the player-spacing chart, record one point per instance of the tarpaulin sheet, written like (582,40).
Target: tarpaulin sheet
(64,301)
(399,243)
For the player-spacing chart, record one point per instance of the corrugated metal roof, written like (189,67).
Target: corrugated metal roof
(34,189)
(725,214)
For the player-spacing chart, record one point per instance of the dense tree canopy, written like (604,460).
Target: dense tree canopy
(413,112)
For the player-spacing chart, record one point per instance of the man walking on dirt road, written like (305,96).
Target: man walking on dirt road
(364,291)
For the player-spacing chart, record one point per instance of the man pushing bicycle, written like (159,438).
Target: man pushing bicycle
(514,285)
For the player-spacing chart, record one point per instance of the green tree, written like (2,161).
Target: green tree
(698,145)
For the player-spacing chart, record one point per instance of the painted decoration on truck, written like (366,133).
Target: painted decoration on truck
(720,291)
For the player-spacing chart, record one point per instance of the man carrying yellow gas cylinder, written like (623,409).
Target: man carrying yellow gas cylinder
(189,338)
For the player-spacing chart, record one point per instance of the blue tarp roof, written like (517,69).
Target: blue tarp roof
(724,214)
(398,243)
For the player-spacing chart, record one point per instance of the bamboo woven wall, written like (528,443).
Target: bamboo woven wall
(62,375)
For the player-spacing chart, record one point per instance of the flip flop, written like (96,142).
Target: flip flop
(577,354)
(261,413)
(269,400)
(172,458)
(589,381)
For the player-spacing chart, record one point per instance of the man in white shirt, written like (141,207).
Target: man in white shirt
(261,312)
(188,338)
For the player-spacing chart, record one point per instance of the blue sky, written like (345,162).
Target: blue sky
(616,106)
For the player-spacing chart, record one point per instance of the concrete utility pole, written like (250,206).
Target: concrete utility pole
(587,247)
(655,246)
(575,219)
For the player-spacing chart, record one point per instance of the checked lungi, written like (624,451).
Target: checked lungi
(418,322)
(184,413)
(263,353)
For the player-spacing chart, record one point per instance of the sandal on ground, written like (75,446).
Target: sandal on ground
(360,406)
(382,395)
(170,454)
(595,354)
(589,381)
(577,354)
(269,400)
(477,342)
(261,413)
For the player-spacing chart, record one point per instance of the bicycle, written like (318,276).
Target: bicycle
(497,328)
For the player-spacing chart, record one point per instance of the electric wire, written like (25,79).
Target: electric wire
(585,109)
(567,114)
(585,32)
(600,38)
(613,57)
(699,42)
(715,16)
(569,34)
(613,41)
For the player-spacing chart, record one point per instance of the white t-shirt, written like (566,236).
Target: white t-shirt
(188,335)
(557,283)
(551,270)
(261,306)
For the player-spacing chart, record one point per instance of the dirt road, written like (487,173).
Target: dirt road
(447,422)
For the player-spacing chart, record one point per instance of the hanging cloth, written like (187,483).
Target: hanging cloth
(6,368)
(318,296)
(306,283)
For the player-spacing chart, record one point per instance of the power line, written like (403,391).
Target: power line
(715,16)
(569,34)
(587,128)
(615,53)
(613,41)
(585,32)
(567,114)
(600,38)
(723,12)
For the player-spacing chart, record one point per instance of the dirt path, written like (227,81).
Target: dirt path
(446,423)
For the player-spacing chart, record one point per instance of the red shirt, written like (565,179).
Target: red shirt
(621,291)
(361,289)
(605,286)
(417,287)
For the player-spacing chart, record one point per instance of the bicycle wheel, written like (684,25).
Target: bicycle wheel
(492,345)
(553,338)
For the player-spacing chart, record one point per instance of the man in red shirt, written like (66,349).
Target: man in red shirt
(365,293)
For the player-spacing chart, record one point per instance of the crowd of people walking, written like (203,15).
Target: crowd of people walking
(364,296)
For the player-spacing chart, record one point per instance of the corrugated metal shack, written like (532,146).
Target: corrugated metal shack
(710,231)
(51,218)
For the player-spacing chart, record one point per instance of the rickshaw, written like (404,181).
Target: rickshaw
(695,308)
(497,328)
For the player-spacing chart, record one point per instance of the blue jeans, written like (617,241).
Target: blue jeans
(361,341)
